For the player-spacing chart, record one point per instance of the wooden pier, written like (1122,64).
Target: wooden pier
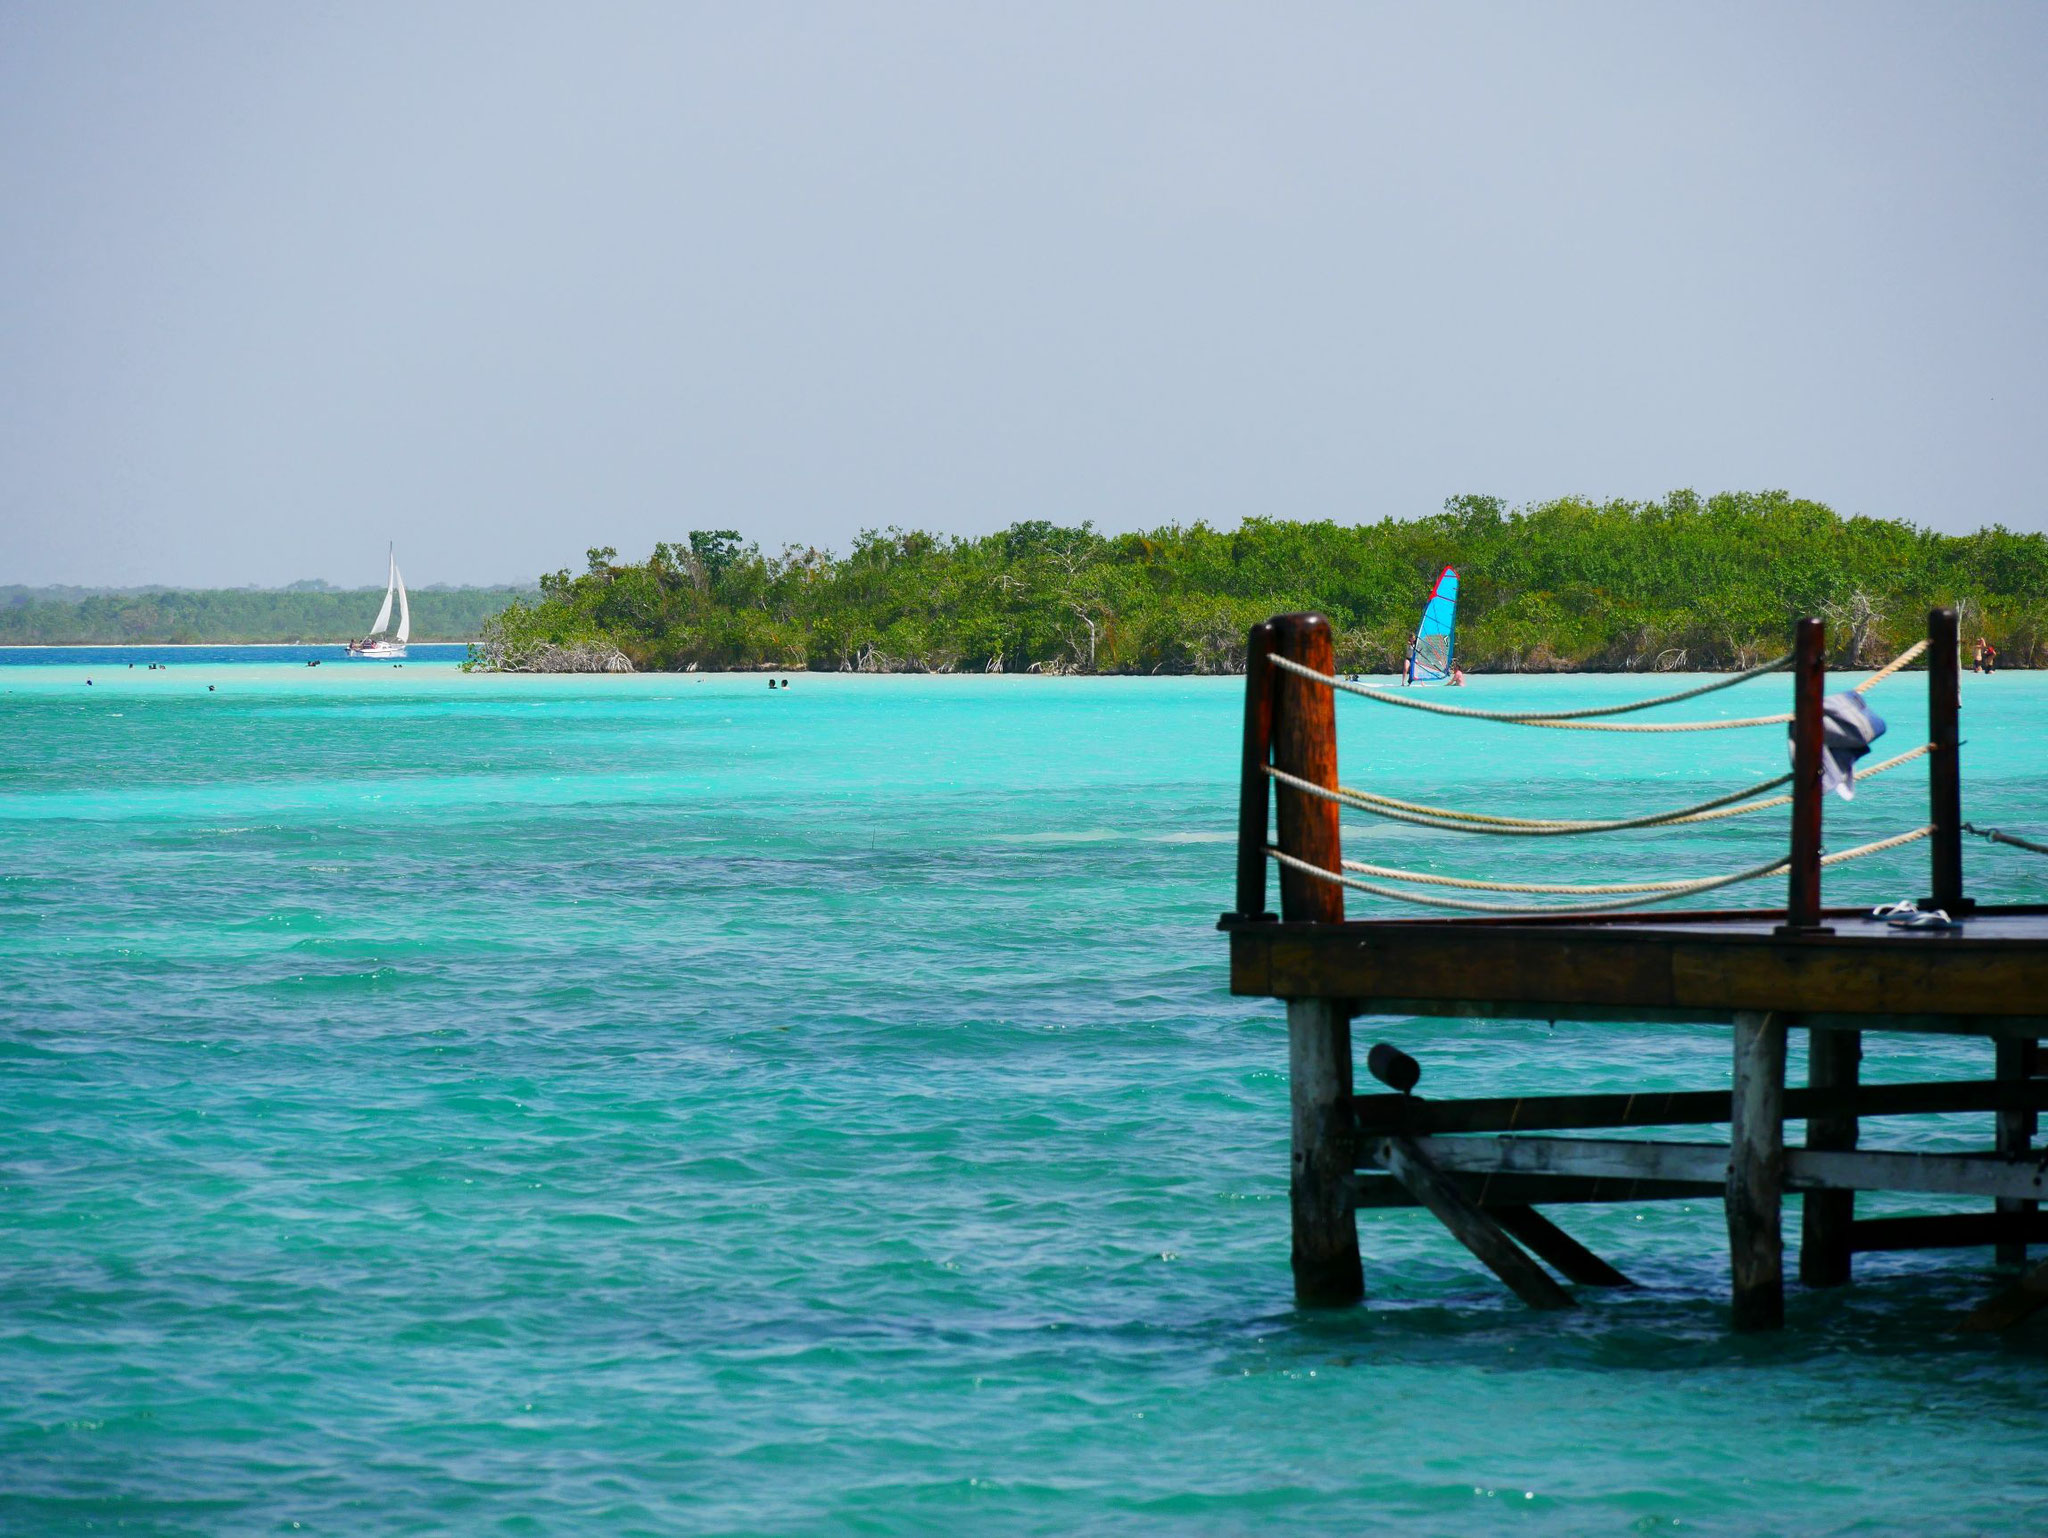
(1484,1167)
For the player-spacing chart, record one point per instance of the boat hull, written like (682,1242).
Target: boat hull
(376,649)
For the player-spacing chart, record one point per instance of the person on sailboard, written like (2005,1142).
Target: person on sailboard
(1408,662)
(1457,677)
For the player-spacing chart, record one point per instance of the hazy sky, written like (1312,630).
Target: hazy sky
(281,282)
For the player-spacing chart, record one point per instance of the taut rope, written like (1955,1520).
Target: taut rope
(1453,821)
(1574,720)
(1998,837)
(1657,891)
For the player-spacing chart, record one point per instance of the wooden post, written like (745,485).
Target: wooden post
(1809,684)
(1944,764)
(1756,1169)
(2016,1065)
(1305,746)
(1327,1271)
(1253,795)
(1834,1060)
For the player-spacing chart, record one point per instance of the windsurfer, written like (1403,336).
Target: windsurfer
(1408,662)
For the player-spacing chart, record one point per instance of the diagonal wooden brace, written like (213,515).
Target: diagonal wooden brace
(1471,1227)
(1570,1258)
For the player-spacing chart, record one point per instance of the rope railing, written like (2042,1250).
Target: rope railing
(1641,893)
(1290,742)
(1998,836)
(1577,720)
(1451,820)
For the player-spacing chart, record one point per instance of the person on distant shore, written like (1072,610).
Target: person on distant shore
(1977,662)
(1990,656)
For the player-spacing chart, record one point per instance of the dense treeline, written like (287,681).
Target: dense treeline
(1689,582)
(224,616)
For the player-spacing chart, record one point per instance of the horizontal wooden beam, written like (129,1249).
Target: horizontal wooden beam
(1806,1169)
(1677,1108)
(1948,1231)
(1399,1007)
(1377,1191)
(1684,964)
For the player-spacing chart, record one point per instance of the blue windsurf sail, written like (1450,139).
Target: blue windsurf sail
(1435,636)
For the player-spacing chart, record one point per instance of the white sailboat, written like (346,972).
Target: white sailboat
(378,643)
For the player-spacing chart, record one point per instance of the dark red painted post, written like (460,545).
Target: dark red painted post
(1305,746)
(1809,686)
(1254,792)
(1327,1271)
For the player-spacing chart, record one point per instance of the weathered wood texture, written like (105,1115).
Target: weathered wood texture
(2017,1064)
(1254,789)
(1480,1234)
(1804,1169)
(1491,1190)
(1809,686)
(1834,1061)
(1552,1244)
(1756,1172)
(1305,746)
(1688,1107)
(1996,969)
(1327,1272)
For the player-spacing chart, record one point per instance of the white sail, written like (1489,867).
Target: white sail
(384,614)
(404,608)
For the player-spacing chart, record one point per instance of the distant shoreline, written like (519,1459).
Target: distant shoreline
(166,646)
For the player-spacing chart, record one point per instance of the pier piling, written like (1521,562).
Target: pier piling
(1303,716)
(1834,1063)
(2017,1064)
(1756,1171)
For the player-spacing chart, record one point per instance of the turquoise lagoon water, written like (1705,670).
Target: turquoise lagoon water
(664,1104)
